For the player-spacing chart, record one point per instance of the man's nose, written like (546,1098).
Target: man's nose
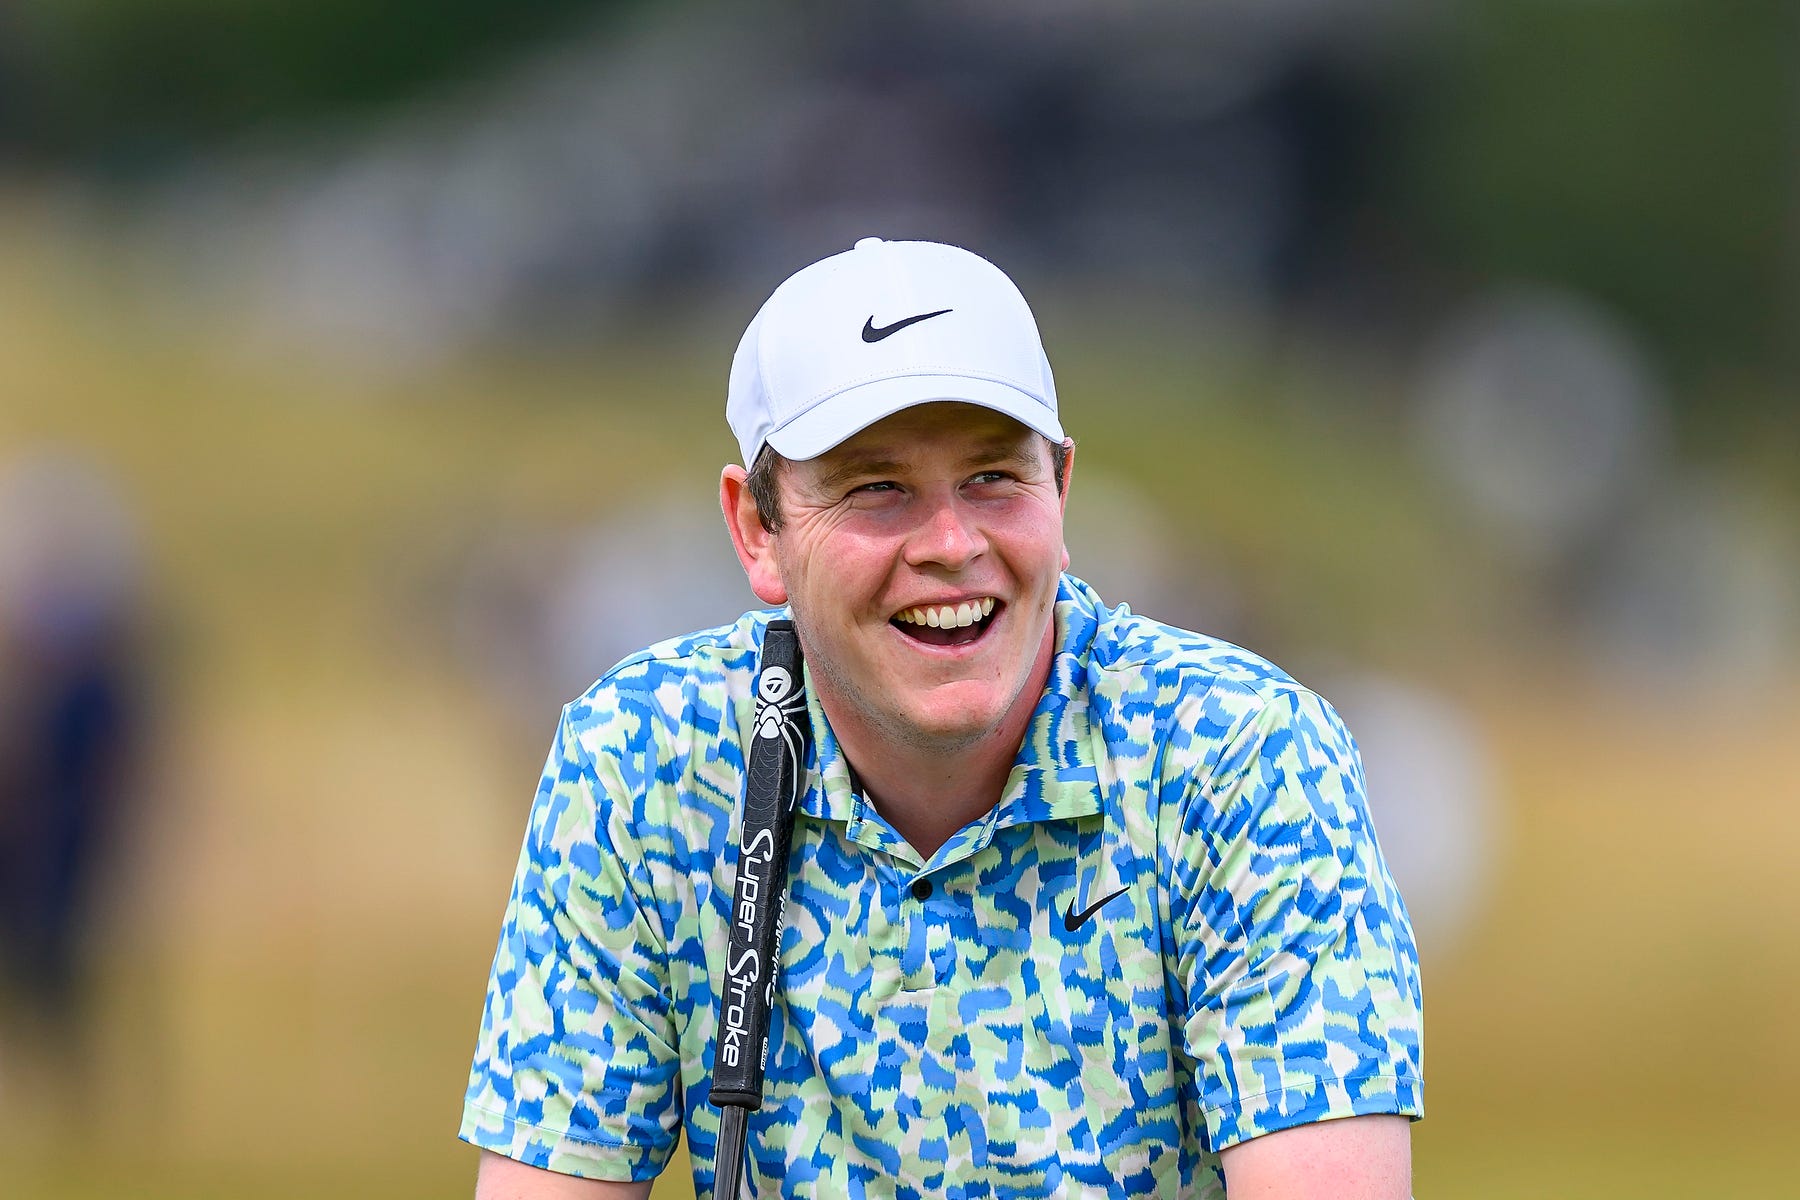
(947,536)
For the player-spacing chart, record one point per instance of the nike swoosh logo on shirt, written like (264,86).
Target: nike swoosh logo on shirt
(1073,920)
(872,334)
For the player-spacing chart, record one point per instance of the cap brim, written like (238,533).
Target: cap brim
(853,410)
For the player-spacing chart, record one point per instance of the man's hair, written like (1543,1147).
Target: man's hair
(764,476)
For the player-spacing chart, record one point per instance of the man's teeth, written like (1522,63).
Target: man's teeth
(948,616)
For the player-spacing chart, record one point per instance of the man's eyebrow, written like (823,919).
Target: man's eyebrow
(1010,452)
(1000,452)
(858,468)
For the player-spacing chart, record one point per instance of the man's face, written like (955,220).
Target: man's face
(921,558)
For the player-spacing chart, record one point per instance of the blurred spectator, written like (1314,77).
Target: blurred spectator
(1545,414)
(70,708)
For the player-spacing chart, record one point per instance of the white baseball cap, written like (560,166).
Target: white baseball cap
(871,331)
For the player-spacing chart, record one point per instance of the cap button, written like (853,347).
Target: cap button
(865,243)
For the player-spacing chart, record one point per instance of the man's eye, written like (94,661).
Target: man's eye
(880,485)
(992,477)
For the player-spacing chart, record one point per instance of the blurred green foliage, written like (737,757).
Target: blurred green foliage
(1640,153)
(124,84)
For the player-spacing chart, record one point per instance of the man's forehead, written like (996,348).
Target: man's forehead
(967,431)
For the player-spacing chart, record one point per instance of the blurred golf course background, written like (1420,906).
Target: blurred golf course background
(361,398)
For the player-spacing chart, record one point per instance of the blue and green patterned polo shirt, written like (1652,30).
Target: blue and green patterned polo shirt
(952,1026)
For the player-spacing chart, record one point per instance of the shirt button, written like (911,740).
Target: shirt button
(921,889)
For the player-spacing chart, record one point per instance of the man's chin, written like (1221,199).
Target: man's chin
(948,718)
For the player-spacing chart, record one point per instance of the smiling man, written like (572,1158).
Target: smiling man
(1080,904)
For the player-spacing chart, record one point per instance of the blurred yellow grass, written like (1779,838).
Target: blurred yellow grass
(293,970)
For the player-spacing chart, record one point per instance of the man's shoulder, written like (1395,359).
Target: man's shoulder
(1187,698)
(1175,661)
(676,676)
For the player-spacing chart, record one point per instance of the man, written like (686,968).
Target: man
(1080,904)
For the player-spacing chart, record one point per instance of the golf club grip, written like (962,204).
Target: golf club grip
(775,772)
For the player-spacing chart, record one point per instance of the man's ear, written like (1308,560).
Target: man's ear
(755,545)
(1063,500)
(1068,473)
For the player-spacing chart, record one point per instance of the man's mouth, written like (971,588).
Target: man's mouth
(946,624)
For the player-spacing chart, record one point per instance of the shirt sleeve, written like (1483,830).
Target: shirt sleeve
(1301,977)
(576,1068)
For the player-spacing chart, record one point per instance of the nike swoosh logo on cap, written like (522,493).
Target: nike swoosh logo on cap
(1073,920)
(872,334)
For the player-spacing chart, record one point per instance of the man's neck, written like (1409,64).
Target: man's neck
(928,797)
